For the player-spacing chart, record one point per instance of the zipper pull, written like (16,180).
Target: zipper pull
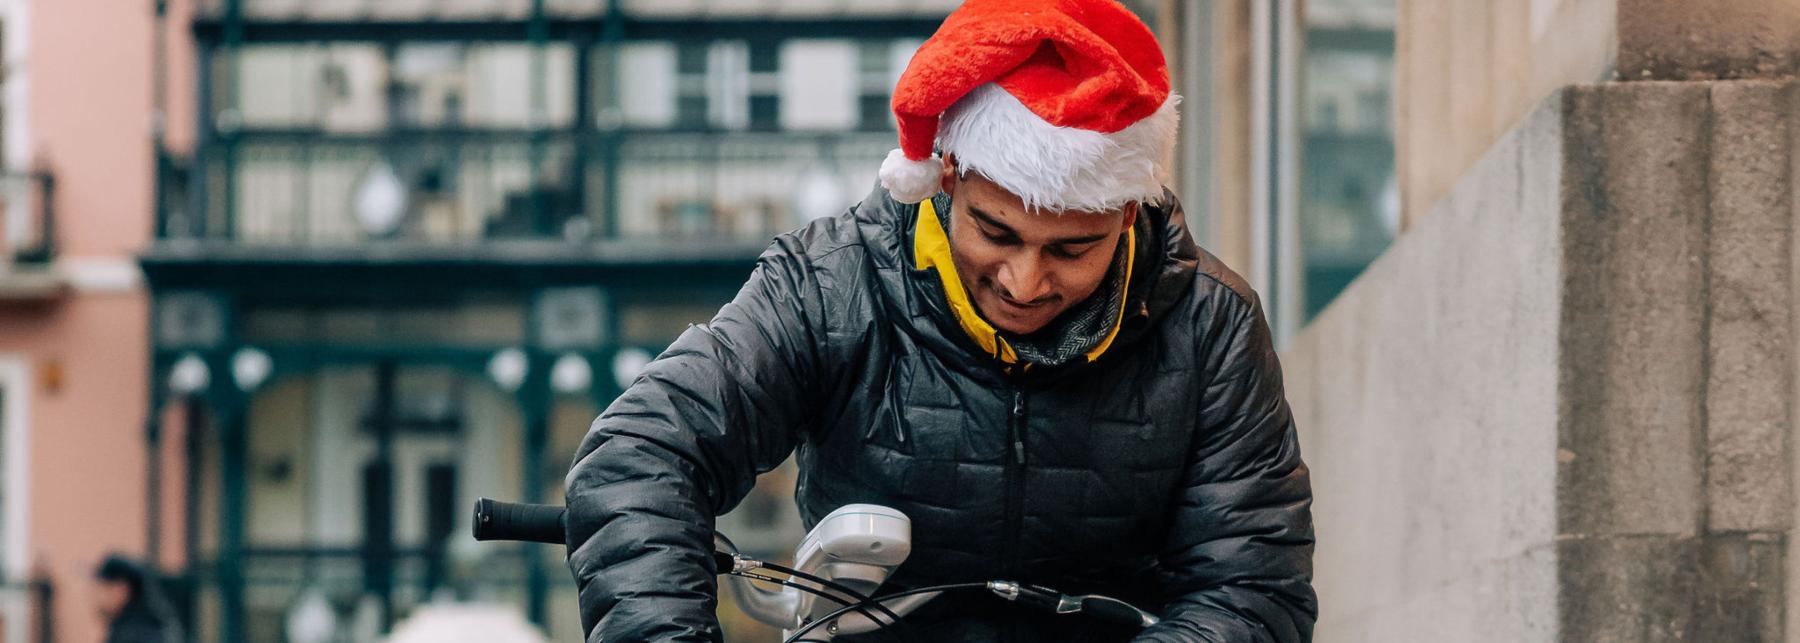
(1018,432)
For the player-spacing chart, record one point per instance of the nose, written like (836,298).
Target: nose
(1023,278)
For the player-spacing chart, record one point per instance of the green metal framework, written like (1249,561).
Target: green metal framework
(201,259)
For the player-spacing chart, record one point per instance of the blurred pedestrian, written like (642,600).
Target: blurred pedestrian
(131,600)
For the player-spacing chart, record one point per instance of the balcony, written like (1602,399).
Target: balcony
(294,21)
(287,189)
(482,138)
(28,238)
(409,10)
(510,200)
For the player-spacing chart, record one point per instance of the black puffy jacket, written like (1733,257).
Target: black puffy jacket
(1166,471)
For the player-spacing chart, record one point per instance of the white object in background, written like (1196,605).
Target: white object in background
(250,367)
(380,201)
(311,619)
(365,625)
(627,364)
(1387,205)
(571,374)
(465,623)
(819,195)
(507,368)
(189,375)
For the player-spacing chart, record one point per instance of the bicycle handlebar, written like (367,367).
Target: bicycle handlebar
(496,520)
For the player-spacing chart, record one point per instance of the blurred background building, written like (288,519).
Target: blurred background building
(289,283)
(417,246)
(286,284)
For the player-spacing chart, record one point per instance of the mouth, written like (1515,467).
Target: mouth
(1022,307)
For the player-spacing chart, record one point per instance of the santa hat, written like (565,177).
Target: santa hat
(1065,103)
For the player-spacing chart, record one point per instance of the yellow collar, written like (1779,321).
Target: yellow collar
(931,249)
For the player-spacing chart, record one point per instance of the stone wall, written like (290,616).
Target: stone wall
(1468,70)
(1427,400)
(1674,498)
(1559,408)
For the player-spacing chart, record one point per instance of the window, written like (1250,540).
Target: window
(1346,211)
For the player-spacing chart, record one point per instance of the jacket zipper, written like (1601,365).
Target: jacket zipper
(1015,491)
(1015,476)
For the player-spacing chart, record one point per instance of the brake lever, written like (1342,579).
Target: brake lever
(1101,607)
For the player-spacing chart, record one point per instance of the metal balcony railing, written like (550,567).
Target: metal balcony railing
(333,10)
(297,189)
(27,218)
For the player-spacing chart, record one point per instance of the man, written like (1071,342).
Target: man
(1016,343)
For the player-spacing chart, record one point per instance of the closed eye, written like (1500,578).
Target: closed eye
(1070,252)
(1000,237)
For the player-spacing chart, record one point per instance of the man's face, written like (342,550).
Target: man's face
(1022,269)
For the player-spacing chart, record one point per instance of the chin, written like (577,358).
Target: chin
(1020,327)
(1017,330)
(993,309)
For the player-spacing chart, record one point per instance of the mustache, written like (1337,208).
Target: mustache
(998,290)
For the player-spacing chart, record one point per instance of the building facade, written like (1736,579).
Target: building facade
(412,249)
(75,191)
(319,273)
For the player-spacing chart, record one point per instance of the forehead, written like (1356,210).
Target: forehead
(985,199)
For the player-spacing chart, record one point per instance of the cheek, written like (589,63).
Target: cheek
(1085,276)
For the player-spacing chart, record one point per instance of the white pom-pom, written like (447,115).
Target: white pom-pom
(910,181)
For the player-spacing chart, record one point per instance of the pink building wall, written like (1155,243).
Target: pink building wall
(90,118)
(88,111)
(87,358)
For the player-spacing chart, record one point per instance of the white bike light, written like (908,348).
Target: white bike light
(857,546)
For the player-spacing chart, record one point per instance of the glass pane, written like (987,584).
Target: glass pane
(744,186)
(346,87)
(308,190)
(1348,210)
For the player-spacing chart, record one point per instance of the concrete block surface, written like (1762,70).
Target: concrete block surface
(1715,39)
(1750,369)
(1427,399)
(1633,315)
(1651,589)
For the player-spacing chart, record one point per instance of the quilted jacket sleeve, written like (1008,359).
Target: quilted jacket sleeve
(684,443)
(1238,559)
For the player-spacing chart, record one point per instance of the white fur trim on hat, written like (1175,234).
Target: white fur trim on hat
(909,181)
(1057,168)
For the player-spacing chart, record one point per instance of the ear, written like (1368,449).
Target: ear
(947,183)
(1131,212)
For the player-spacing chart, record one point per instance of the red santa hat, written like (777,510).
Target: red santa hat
(1065,103)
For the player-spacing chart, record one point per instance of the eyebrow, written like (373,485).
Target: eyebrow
(989,220)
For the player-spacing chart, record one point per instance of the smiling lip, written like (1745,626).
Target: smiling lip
(1021,306)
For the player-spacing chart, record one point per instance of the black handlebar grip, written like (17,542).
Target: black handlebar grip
(1115,611)
(495,520)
